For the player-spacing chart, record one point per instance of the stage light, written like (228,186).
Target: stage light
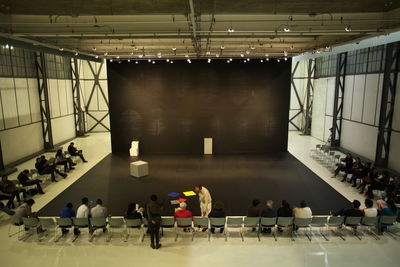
(105,53)
(252,47)
(117,57)
(245,61)
(94,48)
(11,47)
(248,59)
(241,55)
(7,46)
(140,56)
(149,60)
(247,52)
(208,53)
(173,48)
(261,60)
(129,60)
(267,59)
(285,53)
(285,58)
(286,29)
(60,49)
(111,60)
(189,61)
(230,59)
(278,60)
(96,56)
(159,54)
(222,47)
(171,62)
(348,29)
(167,60)
(209,60)
(76,53)
(231,29)
(186,55)
(266,55)
(216,55)
(153,62)
(136,62)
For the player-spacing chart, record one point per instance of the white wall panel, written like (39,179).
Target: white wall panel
(358,98)
(63,128)
(359,138)
(53,98)
(98,115)
(34,99)
(24,113)
(102,101)
(9,102)
(69,97)
(330,95)
(348,96)
(20,142)
(396,114)
(318,114)
(394,156)
(103,71)
(378,99)
(62,97)
(371,91)
(88,86)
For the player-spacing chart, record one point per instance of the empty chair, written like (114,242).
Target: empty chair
(63,223)
(114,223)
(313,152)
(167,222)
(135,224)
(319,222)
(217,223)
(268,223)
(48,224)
(184,223)
(303,223)
(385,222)
(31,224)
(286,222)
(80,223)
(234,223)
(336,222)
(370,222)
(201,222)
(353,222)
(252,222)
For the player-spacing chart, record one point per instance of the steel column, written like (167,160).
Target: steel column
(41,71)
(309,97)
(338,99)
(297,97)
(387,104)
(76,93)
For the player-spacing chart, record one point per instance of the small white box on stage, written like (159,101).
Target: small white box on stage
(139,168)
(208,146)
(134,151)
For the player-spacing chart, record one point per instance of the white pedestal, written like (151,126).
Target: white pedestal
(134,151)
(208,146)
(139,168)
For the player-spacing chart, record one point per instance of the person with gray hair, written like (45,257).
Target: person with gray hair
(182,212)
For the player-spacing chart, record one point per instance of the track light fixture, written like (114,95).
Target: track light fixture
(94,48)
(76,53)
(247,52)
(252,47)
(173,48)
(96,56)
(136,62)
(286,29)
(216,55)
(231,29)
(149,60)
(140,56)
(209,60)
(222,47)
(105,53)
(117,57)
(241,55)
(348,29)
(61,49)
(129,60)
(111,60)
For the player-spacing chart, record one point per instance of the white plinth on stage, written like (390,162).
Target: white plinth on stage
(134,150)
(139,168)
(208,146)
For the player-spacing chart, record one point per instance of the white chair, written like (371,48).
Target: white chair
(134,151)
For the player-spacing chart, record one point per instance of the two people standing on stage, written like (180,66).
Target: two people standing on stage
(204,199)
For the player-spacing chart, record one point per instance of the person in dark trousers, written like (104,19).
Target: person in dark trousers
(345,166)
(371,176)
(254,210)
(268,212)
(378,184)
(73,151)
(354,211)
(46,167)
(153,211)
(9,197)
(284,211)
(9,187)
(23,178)
(361,173)
(357,165)
(67,212)
(6,210)
(132,213)
(66,162)
(217,212)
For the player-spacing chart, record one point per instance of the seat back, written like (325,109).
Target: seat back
(81,222)
(184,222)
(335,221)
(133,223)
(98,222)
(217,222)
(268,221)
(302,222)
(285,221)
(251,221)
(15,220)
(369,221)
(234,222)
(116,222)
(200,221)
(352,220)
(47,222)
(319,221)
(167,222)
(387,220)
(31,222)
(64,222)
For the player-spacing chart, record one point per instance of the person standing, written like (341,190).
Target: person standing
(204,199)
(153,210)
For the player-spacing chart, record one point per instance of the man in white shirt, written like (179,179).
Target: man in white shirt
(303,212)
(204,199)
(370,211)
(82,212)
(99,211)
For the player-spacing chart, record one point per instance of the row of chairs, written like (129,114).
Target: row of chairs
(326,156)
(225,223)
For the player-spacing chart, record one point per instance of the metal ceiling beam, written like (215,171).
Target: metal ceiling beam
(194,27)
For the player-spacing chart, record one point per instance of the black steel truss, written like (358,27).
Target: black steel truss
(41,70)
(298,127)
(309,97)
(76,92)
(387,104)
(338,99)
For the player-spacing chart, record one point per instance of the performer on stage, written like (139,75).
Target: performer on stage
(205,200)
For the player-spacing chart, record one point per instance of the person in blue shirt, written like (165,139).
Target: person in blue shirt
(391,209)
(67,212)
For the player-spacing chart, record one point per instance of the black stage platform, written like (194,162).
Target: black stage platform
(234,179)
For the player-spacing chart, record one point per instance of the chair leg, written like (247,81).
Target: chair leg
(176,234)
(241,234)
(193,230)
(338,234)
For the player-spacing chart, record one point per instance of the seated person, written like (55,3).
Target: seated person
(357,165)
(268,212)
(182,212)
(66,162)
(99,211)
(284,211)
(372,175)
(73,151)
(393,189)
(369,210)
(303,212)
(217,212)
(254,210)
(9,187)
(380,183)
(6,210)
(345,166)
(390,210)
(83,211)
(67,212)
(9,197)
(46,167)
(361,173)
(132,213)
(355,210)
(25,211)
(23,178)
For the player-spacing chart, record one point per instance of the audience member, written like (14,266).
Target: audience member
(369,210)
(356,166)
(9,197)
(303,211)
(361,173)
(345,166)
(67,212)
(66,162)
(268,212)
(370,178)
(390,210)
(393,189)
(45,166)
(23,178)
(73,151)
(254,210)
(284,211)
(217,212)
(9,187)
(354,211)
(378,184)
(183,212)
(25,211)
(6,210)
(132,213)
(82,212)
(99,211)
(153,211)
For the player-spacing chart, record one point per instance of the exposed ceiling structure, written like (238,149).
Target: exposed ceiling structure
(151,29)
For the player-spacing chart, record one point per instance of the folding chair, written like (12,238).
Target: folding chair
(319,222)
(167,222)
(48,224)
(353,222)
(200,222)
(31,223)
(386,222)
(81,223)
(14,222)
(115,223)
(134,224)
(252,222)
(234,223)
(268,223)
(336,222)
(217,223)
(184,223)
(303,223)
(313,152)
(63,223)
(370,222)
(97,223)
(286,222)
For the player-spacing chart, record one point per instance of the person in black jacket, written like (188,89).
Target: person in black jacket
(357,165)
(268,212)
(153,212)
(23,178)
(217,212)
(371,177)
(132,213)
(378,184)
(73,151)
(284,211)
(355,210)
(345,166)
(66,162)
(361,173)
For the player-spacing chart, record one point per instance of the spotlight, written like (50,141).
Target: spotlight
(149,60)
(267,59)
(140,56)
(278,60)
(266,55)
(167,60)
(285,58)
(208,52)
(105,53)
(261,60)
(7,46)
(186,55)
(60,49)
(189,61)
(231,29)
(245,61)
(247,52)
(209,60)
(252,47)
(76,53)
(285,53)
(173,48)
(11,47)
(129,60)
(230,59)
(96,56)
(153,62)
(111,60)
(216,55)
(222,47)
(94,48)
(241,55)
(136,62)
(248,59)
(117,57)
(171,62)
(286,29)
(348,29)
(159,54)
